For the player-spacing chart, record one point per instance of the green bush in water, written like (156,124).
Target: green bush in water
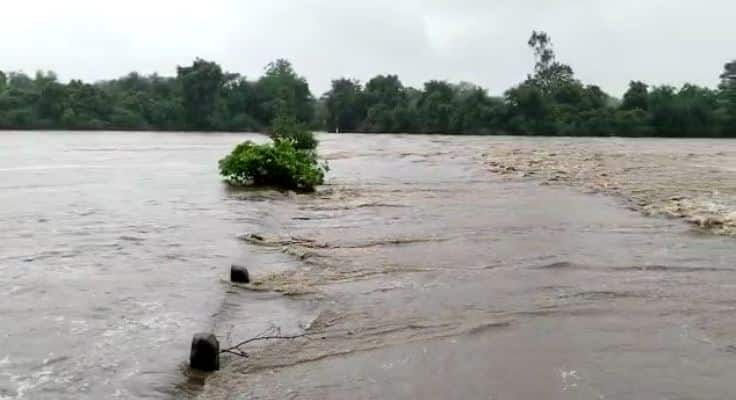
(285,126)
(279,164)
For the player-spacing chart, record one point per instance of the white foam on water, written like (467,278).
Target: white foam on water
(570,379)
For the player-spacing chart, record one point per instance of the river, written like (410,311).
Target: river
(424,275)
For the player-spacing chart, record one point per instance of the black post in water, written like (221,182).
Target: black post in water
(239,274)
(205,354)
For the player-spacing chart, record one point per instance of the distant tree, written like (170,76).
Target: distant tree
(552,101)
(19,81)
(3,81)
(51,102)
(698,110)
(204,97)
(238,106)
(145,102)
(637,97)
(345,105)
(387,107)
(435,107)
(634,122)
(529,110)
(474,111)
(201,84)
(549,74)
(728,97)
(594,98)
(728,77)
(86,107)
(282,90)
(662,108)
(44,78)
(385,89)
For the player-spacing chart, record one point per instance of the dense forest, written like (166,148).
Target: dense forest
(203,97)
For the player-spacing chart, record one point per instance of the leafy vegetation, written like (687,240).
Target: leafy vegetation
(289,162)
(286,126)
(551,101)
(203,97)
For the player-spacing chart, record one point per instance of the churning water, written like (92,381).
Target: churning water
(426,276)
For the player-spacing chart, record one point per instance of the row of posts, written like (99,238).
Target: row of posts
(205,352)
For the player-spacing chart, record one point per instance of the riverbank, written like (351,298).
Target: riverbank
(684,179)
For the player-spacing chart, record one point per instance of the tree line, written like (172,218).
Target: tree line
(203,97)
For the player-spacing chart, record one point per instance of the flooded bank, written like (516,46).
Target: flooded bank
(416,272)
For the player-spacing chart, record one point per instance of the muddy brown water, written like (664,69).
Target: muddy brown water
(420,274)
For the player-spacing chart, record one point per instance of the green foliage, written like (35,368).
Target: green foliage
(637,97)
(529,109)
(549,74)
(551,101)
(200,86)
(727,96)
(285,126)
(387,105)
(290,162)
(201,97)
(634,122)
(279,164)
(728,77)
(284,92)
(474,111)
(344,105)
(436,105)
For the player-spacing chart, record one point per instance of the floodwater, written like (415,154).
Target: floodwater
(416,272)
(689,179)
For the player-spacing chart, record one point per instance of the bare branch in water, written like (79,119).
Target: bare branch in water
(236,352)
(270,334)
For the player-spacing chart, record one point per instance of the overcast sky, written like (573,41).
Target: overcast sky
(607,42)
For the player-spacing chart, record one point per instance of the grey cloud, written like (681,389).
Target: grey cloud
(483,41)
